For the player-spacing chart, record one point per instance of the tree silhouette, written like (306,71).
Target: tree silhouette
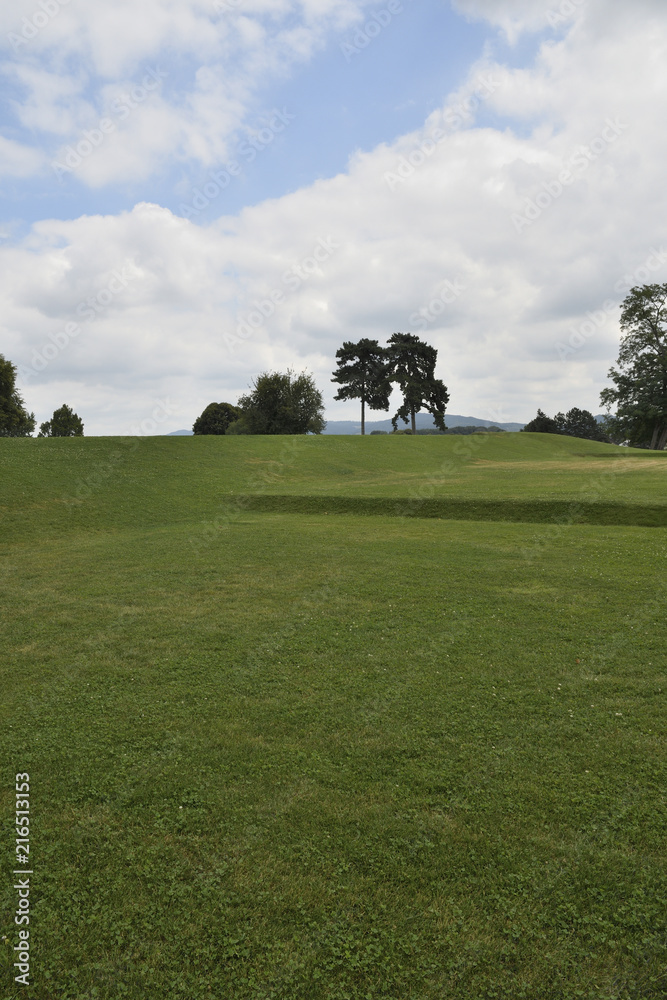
(63,423)
(15,421)
(216,418)
(412,366)
(640,380)
(363,374)
(281,403)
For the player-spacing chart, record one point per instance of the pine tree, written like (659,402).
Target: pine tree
(363,374)
(412,366)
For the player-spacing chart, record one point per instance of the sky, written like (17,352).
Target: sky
(196,191)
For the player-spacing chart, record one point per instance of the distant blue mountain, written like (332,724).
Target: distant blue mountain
(424,422)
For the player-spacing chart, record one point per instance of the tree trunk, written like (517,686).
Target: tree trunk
(654,440)
(414,423)
(662,440)
(363,415)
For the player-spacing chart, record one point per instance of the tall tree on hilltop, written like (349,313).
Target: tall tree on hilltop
(15,421)
(363,374)
(640,390)
(412,366)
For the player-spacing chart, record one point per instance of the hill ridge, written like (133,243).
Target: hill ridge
(424,422)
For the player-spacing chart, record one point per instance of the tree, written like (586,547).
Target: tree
(363,374)
(15,421)
(640,380)
(240,426)
(216,418)
(412,366)
(282,403)
(63,424)
(611,430)
(542,424)
(580,424)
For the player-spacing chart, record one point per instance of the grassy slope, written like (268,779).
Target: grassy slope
(62,484)
(330,757)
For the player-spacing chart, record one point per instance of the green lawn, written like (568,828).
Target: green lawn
(51,485)
(309,756)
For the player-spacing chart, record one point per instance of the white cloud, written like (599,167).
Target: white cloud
(513,16)
(17,160)
(71,64)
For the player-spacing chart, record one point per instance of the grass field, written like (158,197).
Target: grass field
(318,755)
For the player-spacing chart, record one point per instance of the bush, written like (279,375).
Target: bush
(64,423)
(542,424)
(282,403)
(239,426)
(216,419)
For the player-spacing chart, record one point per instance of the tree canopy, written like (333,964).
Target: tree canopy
(363,373)
(281,403)
(15,421)
(412,367)
(63,423)
(574,423)
(542,424)
(640,378)
(580,424)
(216,418)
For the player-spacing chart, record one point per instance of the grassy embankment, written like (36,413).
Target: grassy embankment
(336,756)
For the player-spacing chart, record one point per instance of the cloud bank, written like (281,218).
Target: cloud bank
(506,231)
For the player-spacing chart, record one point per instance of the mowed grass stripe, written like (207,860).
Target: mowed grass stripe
(470,509)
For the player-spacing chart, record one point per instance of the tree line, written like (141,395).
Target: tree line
(287,403)
(15,421)
(639,389)
(366,371)
(574,423)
